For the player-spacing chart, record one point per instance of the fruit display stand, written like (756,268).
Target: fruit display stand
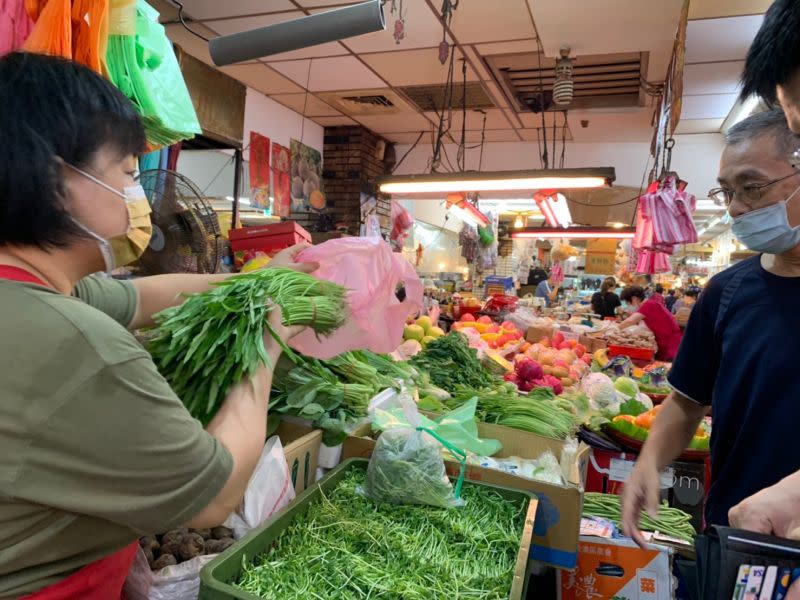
(216,579)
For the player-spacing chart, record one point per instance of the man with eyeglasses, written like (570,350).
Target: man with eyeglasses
(735,354)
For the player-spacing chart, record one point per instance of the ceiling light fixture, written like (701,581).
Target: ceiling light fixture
(554,207)
(575,233)
(329,26)
(518,223)
(495,181)
(458,206)
(563,86)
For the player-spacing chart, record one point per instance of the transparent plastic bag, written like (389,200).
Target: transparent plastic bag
(407,468)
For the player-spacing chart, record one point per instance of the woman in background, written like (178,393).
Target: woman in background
(605,302)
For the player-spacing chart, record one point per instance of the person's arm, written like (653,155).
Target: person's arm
(774,510)
(158,292)
(634,319)
(671,433)
(553,294)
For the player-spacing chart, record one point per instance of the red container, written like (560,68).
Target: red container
(248,242)
(639,356)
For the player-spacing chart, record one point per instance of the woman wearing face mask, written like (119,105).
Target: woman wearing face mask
(657,318)
(605,302)
(95,448)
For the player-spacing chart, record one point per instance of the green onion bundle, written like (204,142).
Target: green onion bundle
(213,340)
(670,521)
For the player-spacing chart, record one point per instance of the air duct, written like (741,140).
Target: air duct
(330,26)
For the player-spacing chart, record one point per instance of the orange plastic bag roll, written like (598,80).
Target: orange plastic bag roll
(90,33)
(52,33)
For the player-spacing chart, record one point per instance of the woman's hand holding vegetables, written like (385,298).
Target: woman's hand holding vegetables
(288,258)
(284,332)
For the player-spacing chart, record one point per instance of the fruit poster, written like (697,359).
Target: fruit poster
(281,181)
(259,170)
(307,193)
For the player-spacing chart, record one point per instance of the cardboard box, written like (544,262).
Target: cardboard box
(610,569)
(301,446)
(558,517)
(535,334)
(247,242)
(592,344)
(684,484)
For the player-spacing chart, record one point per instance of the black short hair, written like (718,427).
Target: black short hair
(774,55)
(769,122)
(51,109)
(630,292)
(692,292)
(659,288)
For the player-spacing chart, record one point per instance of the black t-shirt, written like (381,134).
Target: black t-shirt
(606,304)
(744,366)
(536,276)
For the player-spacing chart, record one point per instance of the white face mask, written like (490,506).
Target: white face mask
(767,229)
(123,249)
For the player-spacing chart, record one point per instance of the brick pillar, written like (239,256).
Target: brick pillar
(351,165)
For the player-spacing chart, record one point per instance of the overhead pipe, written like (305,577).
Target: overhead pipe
(329,26)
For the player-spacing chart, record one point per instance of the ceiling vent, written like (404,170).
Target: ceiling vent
(432,97)
(365,102)
(600,81)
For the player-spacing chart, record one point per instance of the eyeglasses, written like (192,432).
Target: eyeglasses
(747,194)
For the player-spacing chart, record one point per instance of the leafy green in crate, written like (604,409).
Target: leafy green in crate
(347,546)
(450,362)
(213,340)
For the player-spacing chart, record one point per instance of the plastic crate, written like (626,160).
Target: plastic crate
(216,576)
(639,356)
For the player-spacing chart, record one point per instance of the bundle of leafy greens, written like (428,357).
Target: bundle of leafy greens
(213,340)
(450,362)
(346,546)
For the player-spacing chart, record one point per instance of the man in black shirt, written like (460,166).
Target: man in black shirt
(733,356)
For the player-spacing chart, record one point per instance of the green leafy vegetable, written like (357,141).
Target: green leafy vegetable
(215,339)
(450,362)
(347,546)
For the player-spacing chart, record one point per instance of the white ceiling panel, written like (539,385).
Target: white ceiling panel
(477,62)
(532,120)
(422,30)
(328,4)
(711,9)
(214,9)
(713,106)
(491,21)
(712,78)
(492,135)
(411,67)
(333,121)
(495,119)
(191,43)
(403,122)
(313,106)
(699,125)
(529,135)
(327,74)
(714,40)
(611,126)
(409,138)
(513,47)
(260,77)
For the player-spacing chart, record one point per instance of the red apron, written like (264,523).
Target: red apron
(103,579)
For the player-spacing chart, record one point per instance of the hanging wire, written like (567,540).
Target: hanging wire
(183,21)
(543,156)
(444,116)
(414,145)
(305,102)
(461,154)
(563,140)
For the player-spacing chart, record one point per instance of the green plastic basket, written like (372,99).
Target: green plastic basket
(216,576)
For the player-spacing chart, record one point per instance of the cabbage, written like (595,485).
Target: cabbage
(627,387)
(645,399)
(600,390)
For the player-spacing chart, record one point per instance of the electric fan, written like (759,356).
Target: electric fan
(186,232)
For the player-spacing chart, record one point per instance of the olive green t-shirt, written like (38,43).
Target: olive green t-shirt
(95,448)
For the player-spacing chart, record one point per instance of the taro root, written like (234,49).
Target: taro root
(149,542)
(217,546)
(171,547)
(176,535)
(221,532)
(148,554)
(165,560)
(192,545)
(203,533)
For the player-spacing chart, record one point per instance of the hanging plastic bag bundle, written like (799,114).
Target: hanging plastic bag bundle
(52,32)
(383,290)
(142,64)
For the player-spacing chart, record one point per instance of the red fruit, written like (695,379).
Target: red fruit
(545,342)
(493,345)
(493,329)
(572,343)
(508,325)
(580,350)
(468,318)
(558,338)
(512,377)
(484,319)
(526,386)
(587,358)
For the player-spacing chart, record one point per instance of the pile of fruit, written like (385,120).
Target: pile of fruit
(422,330)
(638,426)
(497,337)
(554,362)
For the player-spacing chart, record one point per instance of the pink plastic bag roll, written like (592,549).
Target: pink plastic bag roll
(373,274)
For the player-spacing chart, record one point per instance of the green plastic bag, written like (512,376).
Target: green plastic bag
(144,67)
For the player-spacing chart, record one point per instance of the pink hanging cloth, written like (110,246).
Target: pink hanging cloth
(15,25)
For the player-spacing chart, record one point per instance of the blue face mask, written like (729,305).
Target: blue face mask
(767,229)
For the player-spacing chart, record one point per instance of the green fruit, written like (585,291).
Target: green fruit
(427,340)
(435,332)
(425,322)
(413,332)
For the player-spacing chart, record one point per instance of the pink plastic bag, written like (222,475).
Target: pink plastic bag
(373,274)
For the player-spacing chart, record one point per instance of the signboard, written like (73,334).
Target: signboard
(601,257)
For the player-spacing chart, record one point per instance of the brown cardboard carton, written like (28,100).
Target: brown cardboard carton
(301,446)
(592,343)
(535,334)
(558,517)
